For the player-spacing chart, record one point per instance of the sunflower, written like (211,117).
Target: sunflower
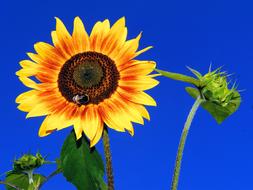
(87,81)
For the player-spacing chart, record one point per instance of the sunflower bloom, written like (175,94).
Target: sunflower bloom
(86,81)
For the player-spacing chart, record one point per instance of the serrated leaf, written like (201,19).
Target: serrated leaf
(81,165)
(220,113)
(179,77)
(21,181)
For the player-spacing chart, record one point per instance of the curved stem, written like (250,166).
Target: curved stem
(108,158)
(182,143)
(9,184)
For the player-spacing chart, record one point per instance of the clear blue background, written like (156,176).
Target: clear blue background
(193,33)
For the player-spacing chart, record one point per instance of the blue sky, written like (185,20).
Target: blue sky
(183,33)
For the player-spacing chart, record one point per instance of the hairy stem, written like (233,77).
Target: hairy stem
(108,158)
(182,143)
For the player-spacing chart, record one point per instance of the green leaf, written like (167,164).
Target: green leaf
(179,77)
(81,165)
(220,113)
(21,181)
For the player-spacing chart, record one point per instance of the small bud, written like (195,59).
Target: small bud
(214,88)
(28,162)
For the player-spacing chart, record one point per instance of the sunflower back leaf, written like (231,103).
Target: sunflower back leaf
(21,181)
(220,113)
(81,165)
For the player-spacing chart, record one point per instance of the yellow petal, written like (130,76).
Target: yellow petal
(42,63)
(35,57)
(28,82)
(98,135)
(26,95)
(26,72)
(27,64)
(25,107)
(37,103)
(116,45)
(142,51)
(28,100)
(95,36)
(47,86)
(137,97)
(143,111)
(55,122)
(65,117)
(47,76)
(136,68)
(65,39)
(38,109)
(90,121)
(138,83)
(59,47)
(99,34)
(78,130)
(80,36)
(128,108)
(114,117)
(116,37)
(127,52)
(44,131)
(155,75)
(109,118)
(49,53)
(61,30)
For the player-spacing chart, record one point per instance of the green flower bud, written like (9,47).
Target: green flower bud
(28,162)
(214,88)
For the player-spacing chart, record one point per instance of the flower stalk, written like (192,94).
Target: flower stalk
(30,176)
(178,77)
(183,138)
(108,158)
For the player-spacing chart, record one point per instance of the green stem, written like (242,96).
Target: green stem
(30,176)
(108,158)
(178,77)
(182,143)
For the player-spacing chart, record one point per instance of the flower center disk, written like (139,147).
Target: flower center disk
(88,78)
